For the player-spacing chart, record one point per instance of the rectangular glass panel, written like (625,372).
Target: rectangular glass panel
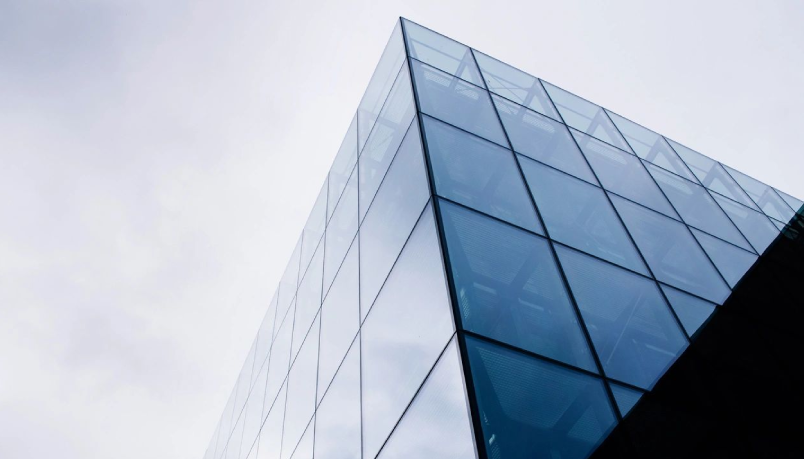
(341,231)
(342,167)
(279,360)
(304,450)
(308,301)
(764,196)
(442,53)
(338,417)
(301,392)
(793,202)
(254,409)
(692,311)
(313,229)
(756,227)
(289,282)
(515,85)
(732,262)
(271,434)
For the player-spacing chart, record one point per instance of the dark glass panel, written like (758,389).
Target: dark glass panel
(764,196)
(731,261)
(342,167)
(691,311)
(625,397)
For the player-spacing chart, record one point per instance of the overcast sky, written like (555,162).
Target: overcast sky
(159,159)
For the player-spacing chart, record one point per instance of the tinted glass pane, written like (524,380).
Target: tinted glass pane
(308,301)
(763,196)
(509,288)
(340,319)
(479,174)
(794,203)
(442,53)
(623,173)
(437,423)
(671,251)
(305,448)
(651,147)
(380,84)
(533,409)
(404,333)
(515,85)
(301,392)
(691,311)
(755,227)
(731,261)
(697,207)
(542,139)
(341,231)
(459,103)
(625,397)
(342,167)
(585,116)
(399,202)
(635,334)
(578,214)
(279,360)
(314,229)
(271,433)
(289,282)
(338,416)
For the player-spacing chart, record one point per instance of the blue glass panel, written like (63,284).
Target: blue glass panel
(437,423)
(289,282)
(271,433)
(732,262)
(313,229)
(578,214)
(279,360)
(533,409)
(764,196)
(671,252)
(441,52)
(457,102)
(338,417)
(404,333)
(697,207)
(793,202)
(301,392)
(341,231)
(623,173)
(308,301)
(625,397)
(509,288)
(374,167)
(651,147)
(479,174)
(380,84)
(342,167)
(635,334)
(756,227)
(515,85)
(585,116)
(691,311)
(542,139)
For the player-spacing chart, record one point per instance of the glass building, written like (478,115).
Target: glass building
(494,268)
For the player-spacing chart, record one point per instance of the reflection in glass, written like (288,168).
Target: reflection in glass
(279,360)
(265,335)
(692,311)
(308,301)
(373,167)
(515,85)
(756,227)
(341,231)
(338,417)
(289,282)
(732,262)
(442,53)
(313,229)
(763,195)
(271,433)
(301,392)
(625,397)
(342,167)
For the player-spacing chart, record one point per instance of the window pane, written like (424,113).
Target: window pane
(442,53)
(755,227)
(625,397)
(289,282)
(623,173)
(393,214)
(534,409)
(342,167)
(437,423)
(794,203)
(340,319)
(479,174)
(585,116)
(404,333)
(542,139)
(338,417)
(305,448)
(253,411)
(651,147)
(696,206)
(279,360)
(578,214)
(301,392)
(373,167)
(271,433)
(314,229)
(233,448)
(265,335)
(341,231)
(732,262)
(459,103)
(671,251)
(764,196)
(509,287)
(380,84)
(308,301)
(515,85)
(691,311)
(635,334)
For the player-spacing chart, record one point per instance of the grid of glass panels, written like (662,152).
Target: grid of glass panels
(480,223)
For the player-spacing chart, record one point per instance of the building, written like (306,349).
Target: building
(498,268)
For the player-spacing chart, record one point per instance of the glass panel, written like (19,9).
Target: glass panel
(755,227)
(305,448)
(390,131)
(271,433)
(732,262)
(314,229)
(625,397)
(515,85)
(585,116)
(534,409)
(623,173)
(243,385)
(340,319)
(442,53)
(254,410)
(380,85)
(233,448)
(265,335)
(635,334)
(399,202)
(794,203)
(509,287)
(308,301)
(341,231)
(342,167)
(338,416)
(289,282)
(479,174)
(301,392)
(764,196)
(279,360)
(225,424)
(542,139)
(671,251)
(578,214)
(651,147)
(459,103)
(404,333)
(691,311)
(711,174)
(696,206)
(437,423)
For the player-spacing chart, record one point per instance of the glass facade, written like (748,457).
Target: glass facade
(494,268)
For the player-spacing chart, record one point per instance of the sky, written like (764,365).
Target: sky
(158,160)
